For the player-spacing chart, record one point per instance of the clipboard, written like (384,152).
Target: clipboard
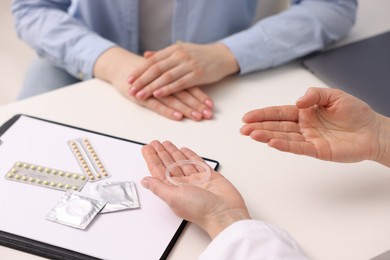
(149,232)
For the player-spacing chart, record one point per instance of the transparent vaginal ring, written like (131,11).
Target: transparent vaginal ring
(202,180)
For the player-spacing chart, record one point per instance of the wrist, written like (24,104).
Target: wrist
(384,141)
(218,222)
(228,61)
(115,63)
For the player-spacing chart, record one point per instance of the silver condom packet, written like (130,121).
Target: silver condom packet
(119,195)
(76,209)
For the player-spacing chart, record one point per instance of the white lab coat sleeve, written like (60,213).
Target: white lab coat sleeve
(253,239)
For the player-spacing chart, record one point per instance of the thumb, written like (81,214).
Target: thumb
(159,188)
(315,96)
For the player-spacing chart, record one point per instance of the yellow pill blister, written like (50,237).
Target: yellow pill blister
(46,177)
(88,159)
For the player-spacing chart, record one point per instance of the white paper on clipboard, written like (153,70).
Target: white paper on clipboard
(143,233)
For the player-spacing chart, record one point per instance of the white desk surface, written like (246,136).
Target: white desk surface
(335,211)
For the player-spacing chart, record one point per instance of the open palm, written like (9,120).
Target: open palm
(213,205)
(326,124)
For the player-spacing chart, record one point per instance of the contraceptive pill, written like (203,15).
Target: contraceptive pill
(89,161)
(46,177)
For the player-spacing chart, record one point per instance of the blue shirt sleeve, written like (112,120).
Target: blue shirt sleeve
(59,37)
(307,26)
(67,42)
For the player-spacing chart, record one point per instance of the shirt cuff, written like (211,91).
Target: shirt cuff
(253,239)
(93,47)
(251,54)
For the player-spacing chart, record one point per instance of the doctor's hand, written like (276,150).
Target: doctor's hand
(114,65)
(181,66)
(213,205)
(327,124)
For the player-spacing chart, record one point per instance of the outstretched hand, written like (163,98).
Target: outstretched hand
(213,205)
(327,124)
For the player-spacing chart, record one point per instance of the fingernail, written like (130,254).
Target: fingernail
(242,129)
(132,91)
(140,94)
(207,113)
(130,79)
(196,115)
(145,183)
(209,103)
(178,115)
(157,93)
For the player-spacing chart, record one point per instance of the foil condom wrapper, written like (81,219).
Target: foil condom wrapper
(119,195)
(76,209)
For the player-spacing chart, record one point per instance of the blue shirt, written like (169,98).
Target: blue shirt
(72,34)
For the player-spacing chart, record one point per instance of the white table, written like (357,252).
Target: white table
(335,211)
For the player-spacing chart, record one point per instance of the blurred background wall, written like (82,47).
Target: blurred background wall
(15,56)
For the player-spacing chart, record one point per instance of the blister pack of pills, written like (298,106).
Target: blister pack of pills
(88,159)
(46,177)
